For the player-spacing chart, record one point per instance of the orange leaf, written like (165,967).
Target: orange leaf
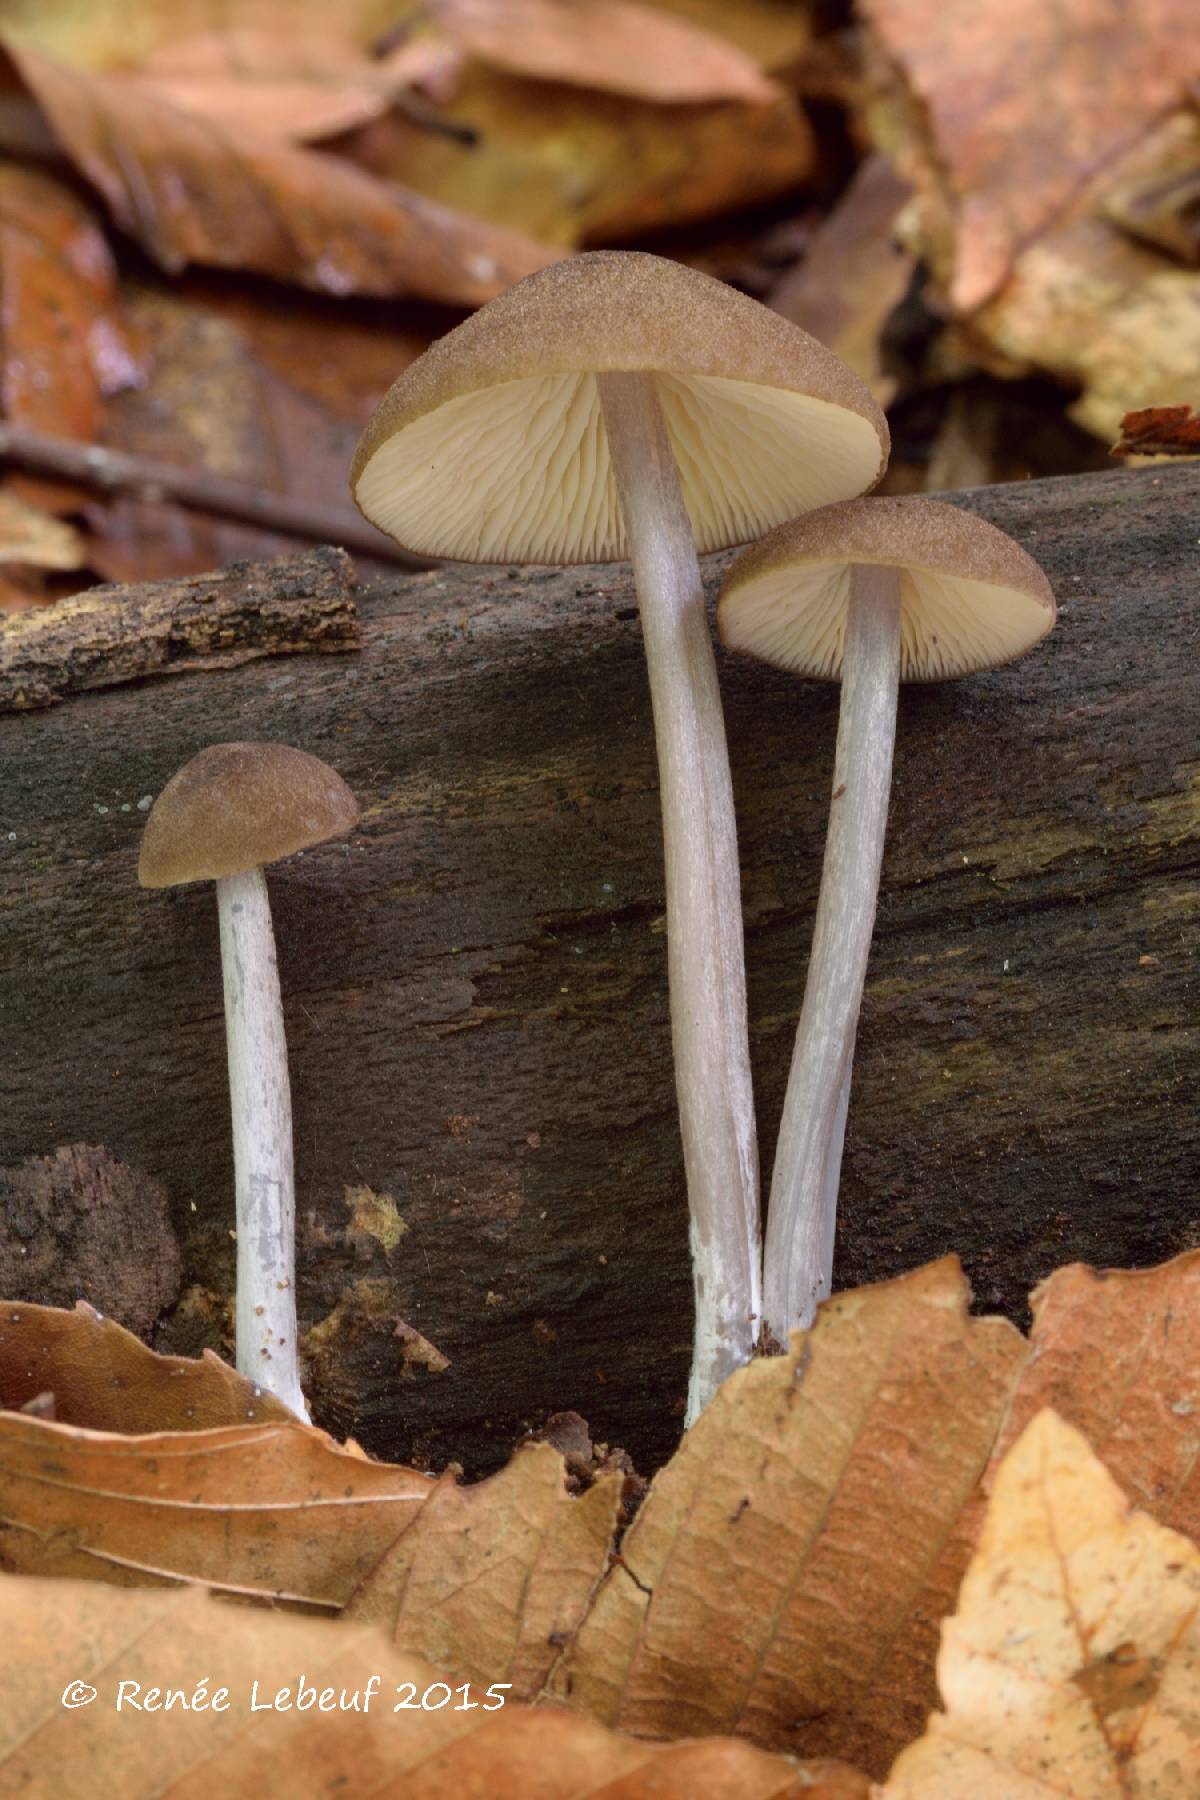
(588,167)
(814,1525)
(191,191)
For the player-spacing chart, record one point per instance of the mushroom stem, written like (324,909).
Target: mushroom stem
(804,1185)
(261,1105)
(705,956)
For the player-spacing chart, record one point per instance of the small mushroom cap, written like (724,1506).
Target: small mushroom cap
(491,446)
(237,806)
(970,598)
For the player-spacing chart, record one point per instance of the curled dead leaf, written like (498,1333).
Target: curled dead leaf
(1112,317)
(65,344)
(1156,195)
(260,1510)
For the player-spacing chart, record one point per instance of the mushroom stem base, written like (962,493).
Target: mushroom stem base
(705,956)
(261,1107)
(804,1186)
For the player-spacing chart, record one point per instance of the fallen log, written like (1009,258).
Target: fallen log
(488,1169)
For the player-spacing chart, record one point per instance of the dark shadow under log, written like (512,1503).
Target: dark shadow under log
(487,1154)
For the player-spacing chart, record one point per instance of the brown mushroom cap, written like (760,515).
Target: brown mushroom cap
(491,446)
(237,806)
(970,597)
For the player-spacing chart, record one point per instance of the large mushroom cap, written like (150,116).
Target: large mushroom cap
(237,806)
(970,597)
(491,446)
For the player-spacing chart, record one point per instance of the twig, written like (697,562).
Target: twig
(115,472)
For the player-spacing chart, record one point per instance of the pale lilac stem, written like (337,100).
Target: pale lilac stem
(705,955)
(804,1186)
(261,1107)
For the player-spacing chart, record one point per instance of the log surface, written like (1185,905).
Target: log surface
(110,635)
(488,1166)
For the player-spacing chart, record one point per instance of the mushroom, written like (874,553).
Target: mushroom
(618,405)
(232,809)
(871,592)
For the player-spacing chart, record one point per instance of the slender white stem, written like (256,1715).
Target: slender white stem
(804,1185)
(705,955)
(261,1104)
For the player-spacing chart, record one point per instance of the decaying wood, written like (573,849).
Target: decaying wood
(488,1166)
(110,635)
(80,1225)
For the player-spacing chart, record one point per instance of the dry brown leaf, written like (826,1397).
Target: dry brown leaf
(498,1576)
(615,45)
(1010,113)
(1084,301)
(1117,1353)
(1072,1664)
(191,192)
(853,274)
(301,88)
(411,1734)
(1113,1352)
(489,1580)
(788,1569)
(276,1510)
(575,167)
(105,1379)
